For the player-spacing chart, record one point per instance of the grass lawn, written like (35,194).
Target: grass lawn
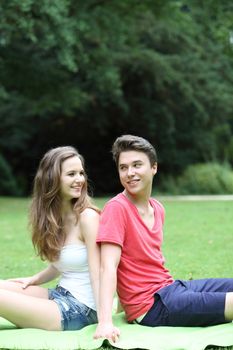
(198,239)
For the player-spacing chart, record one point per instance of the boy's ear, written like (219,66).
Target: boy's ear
(155,168)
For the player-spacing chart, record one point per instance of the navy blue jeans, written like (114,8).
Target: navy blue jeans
(190,303)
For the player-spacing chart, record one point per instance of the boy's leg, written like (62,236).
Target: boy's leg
(229,307)
(201,302)
(192,303)
(210,285)
(217,285)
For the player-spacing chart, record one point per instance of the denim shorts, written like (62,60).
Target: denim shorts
(74,315)
(190,303)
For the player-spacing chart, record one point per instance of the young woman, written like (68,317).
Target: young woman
(64,225)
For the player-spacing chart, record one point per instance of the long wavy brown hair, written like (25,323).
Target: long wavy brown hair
(45,217)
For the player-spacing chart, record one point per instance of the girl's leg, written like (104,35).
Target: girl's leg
(27,311)
(35,291)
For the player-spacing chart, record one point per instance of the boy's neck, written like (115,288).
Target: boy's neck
(139,201)
(144,208)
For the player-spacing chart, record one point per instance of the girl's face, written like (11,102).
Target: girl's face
(72,178)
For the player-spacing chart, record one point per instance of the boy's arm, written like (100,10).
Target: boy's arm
(110,257)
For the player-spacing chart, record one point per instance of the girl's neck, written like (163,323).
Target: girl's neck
(66,208)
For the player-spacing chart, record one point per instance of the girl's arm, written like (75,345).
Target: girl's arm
(46,275)
(89,223)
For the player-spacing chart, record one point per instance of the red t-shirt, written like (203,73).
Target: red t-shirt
(141,270)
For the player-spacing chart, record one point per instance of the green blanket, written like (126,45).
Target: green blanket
(132,336)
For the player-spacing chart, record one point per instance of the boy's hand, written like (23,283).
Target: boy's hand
(107,330)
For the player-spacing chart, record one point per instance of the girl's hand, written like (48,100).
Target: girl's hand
(24,281)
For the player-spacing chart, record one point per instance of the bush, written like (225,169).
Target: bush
(166,185)
(208,178)
(8,184)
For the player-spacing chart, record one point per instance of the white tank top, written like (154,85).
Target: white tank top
(73,266)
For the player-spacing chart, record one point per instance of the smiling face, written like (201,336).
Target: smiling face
(136,173)
(72,178)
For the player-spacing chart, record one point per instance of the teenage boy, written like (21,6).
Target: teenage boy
(132,261)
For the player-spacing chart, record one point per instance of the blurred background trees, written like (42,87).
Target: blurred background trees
(81,73)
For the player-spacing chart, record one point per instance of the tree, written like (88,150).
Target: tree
(82,73)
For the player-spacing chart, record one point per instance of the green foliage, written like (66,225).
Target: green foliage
(166,184)
(72,68)
(8,184)
(210,178)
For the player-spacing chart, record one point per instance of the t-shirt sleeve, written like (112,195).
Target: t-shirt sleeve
(162,213)
(159,208)
(112,224)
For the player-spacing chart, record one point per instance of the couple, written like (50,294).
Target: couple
(127,256)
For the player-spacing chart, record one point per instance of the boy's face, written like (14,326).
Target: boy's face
(136,173)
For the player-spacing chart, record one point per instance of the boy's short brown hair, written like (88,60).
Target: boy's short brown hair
(133,143)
